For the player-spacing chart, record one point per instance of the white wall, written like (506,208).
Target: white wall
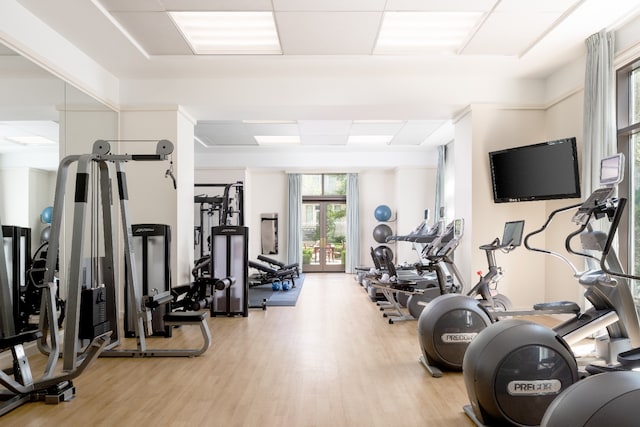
(14,186)
(563,119)
(79,129)
(41,190)
(268,194)
(152,198)
(28,191)
(414,192)
(491,128)
(376,187)
(463,194)
(218,176)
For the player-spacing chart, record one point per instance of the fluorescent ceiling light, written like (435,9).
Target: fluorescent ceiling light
(30,140)
(229,32)
(281,139)
(424,31)
(369,139)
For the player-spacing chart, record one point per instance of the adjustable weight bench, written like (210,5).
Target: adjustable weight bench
(281,265)
(268,274)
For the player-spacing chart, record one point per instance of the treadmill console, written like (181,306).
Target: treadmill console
(458,227)
(611,174)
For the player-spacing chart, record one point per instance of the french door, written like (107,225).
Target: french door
(324,228)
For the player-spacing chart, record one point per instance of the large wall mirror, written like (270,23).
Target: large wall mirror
(42,119)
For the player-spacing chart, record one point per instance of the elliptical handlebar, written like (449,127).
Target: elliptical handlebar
(613,209)
(615,222)
(544,227)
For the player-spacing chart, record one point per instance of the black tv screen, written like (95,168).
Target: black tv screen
(543,171)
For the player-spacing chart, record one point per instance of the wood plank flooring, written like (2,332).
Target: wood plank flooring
(332,360)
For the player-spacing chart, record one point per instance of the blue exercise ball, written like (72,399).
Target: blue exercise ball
(47,215)
(382,213)
(381,232)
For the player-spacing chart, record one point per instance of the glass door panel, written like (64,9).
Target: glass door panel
(324,228)
(634,207)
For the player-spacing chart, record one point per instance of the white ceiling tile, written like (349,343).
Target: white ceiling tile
(323,139)
(415,132)
(376,128)
(128,5)
(509,33)
(306,33)
(207,5)
(329,5)
(324,127)
(441,6)
(224,133)
(525,6)
(272,129)
(154,31)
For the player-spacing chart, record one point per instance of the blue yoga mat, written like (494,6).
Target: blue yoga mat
(275,298)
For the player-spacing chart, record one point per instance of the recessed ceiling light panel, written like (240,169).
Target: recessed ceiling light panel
(404,32)
(215,33)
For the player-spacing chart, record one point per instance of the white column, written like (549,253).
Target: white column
(152,197)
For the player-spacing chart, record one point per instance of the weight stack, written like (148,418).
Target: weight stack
(230,257)
(93,313)
(17,251)
(152,257)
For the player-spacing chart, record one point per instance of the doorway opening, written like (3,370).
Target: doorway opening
(324,222)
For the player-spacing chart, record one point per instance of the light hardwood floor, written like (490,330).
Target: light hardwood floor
(330,361)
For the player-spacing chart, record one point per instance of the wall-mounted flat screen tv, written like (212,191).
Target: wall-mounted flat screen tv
(544,171)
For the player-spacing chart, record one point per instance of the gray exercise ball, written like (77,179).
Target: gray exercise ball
(45,234)
(381,232)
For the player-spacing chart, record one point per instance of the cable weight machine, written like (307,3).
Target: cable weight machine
(92,290)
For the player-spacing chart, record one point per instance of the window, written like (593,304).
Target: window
(324,185)
(628,118)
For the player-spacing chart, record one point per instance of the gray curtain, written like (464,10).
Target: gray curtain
(352,256)
(294,229)
(599,129)
(439,184)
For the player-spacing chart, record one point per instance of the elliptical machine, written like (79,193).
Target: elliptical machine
(514,368)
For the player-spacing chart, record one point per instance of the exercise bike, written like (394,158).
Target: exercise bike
(451,321)
(514,368)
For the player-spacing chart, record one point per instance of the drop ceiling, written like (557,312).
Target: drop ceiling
(137,40)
